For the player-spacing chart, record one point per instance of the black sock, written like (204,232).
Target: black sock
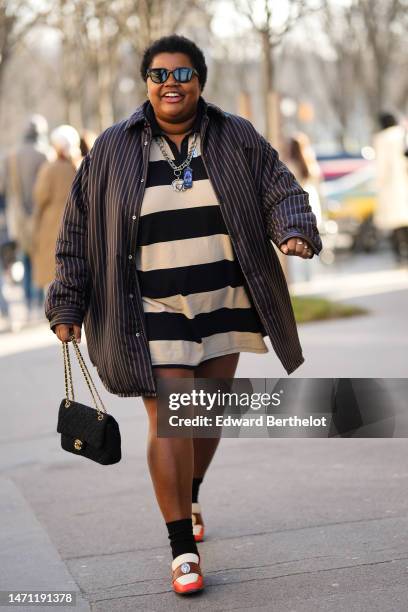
(195,488)
(181,537)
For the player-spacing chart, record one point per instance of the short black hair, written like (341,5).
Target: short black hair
(386,120)
(175,44)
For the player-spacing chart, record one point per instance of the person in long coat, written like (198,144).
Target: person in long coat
(391,214)
(21,167)
(50,193)
(165,255)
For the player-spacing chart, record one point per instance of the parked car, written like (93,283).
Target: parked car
(350,200)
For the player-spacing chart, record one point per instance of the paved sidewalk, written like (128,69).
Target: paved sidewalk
(29,560)
(374,345)
(294,525)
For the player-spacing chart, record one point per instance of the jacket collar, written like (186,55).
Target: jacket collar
(139,116)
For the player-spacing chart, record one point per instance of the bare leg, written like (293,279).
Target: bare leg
(204,448)
(173,461)
(170,460)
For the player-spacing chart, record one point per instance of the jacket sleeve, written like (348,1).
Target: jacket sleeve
(67,296)
(285,204)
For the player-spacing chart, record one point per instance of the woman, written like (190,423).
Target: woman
(50,193)
(5,245)
(21,169)
(302,162)
(391,214)
(170,266)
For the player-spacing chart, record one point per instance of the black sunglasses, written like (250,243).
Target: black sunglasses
(181,75)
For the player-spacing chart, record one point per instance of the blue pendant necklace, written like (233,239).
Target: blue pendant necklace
(180,184)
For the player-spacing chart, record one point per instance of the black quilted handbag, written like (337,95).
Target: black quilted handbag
(85,431)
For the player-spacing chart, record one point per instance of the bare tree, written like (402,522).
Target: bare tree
(271,35)
(103,35)
(68,72)
(90,38)
(368,39)
(383,37)
(339,75)
(155,18)
(93,37)
(17,18)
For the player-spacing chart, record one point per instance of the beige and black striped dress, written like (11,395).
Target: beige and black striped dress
(195,297)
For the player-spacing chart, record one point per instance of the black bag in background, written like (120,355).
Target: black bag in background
(8,253)
(8,247)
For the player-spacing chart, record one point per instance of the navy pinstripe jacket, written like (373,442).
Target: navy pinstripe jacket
(96,279)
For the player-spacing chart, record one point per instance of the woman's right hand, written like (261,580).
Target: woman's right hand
(64,332)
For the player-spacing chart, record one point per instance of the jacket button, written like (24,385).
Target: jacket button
(131,296)
(137,334)
(145,143)
(142,180)
(130,256)
(134,217)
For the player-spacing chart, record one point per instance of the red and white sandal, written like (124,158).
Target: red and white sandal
(198,523)
(187,577)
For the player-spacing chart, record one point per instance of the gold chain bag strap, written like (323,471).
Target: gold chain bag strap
(86,431)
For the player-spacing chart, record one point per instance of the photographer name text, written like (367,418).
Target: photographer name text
(261,420)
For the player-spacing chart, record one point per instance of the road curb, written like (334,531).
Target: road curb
(29,560)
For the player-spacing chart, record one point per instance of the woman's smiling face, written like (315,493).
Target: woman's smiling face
(173,109)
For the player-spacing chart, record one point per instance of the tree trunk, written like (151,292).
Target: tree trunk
(271,109)
(244,105)
(105,106)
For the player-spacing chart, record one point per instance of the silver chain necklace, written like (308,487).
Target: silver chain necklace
(180,184)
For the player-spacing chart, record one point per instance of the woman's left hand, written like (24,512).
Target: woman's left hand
(297,246)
